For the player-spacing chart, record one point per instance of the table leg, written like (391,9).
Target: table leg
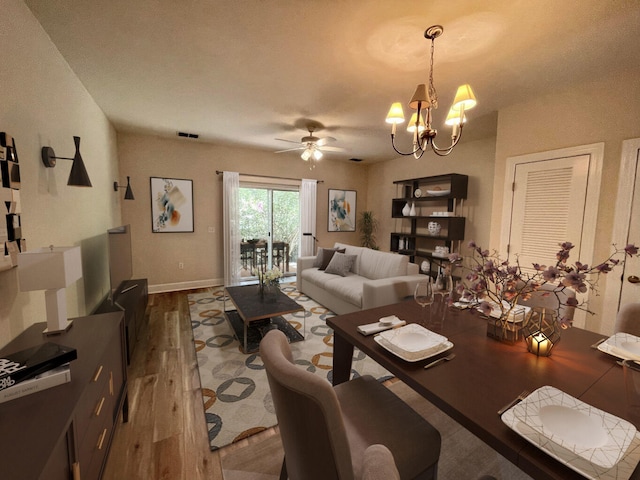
(342,357)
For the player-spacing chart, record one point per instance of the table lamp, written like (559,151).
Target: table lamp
(51,269)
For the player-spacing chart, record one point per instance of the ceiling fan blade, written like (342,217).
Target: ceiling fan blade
(333,149)
(290,141)
(290,149)
(325,140)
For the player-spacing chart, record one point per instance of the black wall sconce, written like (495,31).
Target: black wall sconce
(78,176)
(128,194)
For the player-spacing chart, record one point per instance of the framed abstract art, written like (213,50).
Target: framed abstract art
(342,210)
(171,205)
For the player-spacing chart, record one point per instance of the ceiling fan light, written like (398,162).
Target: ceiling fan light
(464,98)
(306,155)
(317,154)
(396,114)
(411,126)
(420,95)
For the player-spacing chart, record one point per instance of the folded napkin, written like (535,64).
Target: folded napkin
(371,328)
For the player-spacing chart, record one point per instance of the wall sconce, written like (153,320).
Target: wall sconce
(78,176)
(128,194)
(51,269)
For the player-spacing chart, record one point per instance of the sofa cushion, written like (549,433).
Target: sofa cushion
(341,264)
(324,257)
(375,264)
(351,250)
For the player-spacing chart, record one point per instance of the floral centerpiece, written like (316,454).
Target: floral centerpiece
(493,283)
(268,279)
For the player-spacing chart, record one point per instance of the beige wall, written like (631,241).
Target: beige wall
(604,111)
(473,158)
(156,255)
(44,103)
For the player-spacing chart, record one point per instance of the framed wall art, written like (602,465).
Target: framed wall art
(171,205)
(342,210)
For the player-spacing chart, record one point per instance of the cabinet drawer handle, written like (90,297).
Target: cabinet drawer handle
(97,375)
(76,470)
(101,439)
(99,407)
(111,383)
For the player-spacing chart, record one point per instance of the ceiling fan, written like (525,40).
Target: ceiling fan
(313,147)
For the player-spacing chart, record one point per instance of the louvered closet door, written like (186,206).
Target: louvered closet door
(548,208)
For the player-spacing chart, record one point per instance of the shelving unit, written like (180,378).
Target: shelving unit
(416,240)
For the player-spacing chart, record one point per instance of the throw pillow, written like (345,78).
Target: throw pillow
(341,264)
(327,255)
(318,261)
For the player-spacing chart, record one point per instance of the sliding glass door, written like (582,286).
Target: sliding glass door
(269,227)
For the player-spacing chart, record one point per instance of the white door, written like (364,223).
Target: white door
(551,198)
(624,287)
(548,204)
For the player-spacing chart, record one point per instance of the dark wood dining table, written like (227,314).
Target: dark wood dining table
(487,374)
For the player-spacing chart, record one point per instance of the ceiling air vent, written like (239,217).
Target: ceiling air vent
(188,135)
(355,159)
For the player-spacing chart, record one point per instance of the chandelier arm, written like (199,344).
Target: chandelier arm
(446,151)
(419,148)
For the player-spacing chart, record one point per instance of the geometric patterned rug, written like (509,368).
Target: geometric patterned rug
(235,391)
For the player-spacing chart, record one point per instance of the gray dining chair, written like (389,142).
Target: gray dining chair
(628,319)
(327,430)
(546,298)
(378,464)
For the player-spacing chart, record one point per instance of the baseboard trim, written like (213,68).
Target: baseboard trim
(174,287)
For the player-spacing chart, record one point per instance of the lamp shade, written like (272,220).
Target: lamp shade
(49,268)
(453,118)
(128,193)
(78,177)
(306,155)
(420,95)
(464,98)
(396,114)
(411,126)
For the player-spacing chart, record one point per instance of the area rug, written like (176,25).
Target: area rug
(463,455)
(235,390)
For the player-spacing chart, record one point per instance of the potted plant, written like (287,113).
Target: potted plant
(368,228)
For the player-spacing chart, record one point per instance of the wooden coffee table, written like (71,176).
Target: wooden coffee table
(251,310)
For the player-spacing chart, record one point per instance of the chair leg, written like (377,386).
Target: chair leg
(283,471)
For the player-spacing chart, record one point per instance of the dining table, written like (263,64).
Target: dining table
(487,374)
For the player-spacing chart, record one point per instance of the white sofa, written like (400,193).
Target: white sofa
(375,279)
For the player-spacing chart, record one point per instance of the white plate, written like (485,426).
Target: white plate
(622,345)
(518,314)
(438,193)
(588,432)
(443,348)
(417,193)
(413,342)
(621,471)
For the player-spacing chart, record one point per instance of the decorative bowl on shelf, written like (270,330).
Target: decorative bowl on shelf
(439,193)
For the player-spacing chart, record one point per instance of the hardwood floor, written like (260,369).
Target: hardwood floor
(166,436)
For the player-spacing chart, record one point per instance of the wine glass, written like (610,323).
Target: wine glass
(423,294)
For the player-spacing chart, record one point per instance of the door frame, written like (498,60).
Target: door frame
(595,151)
(626,184)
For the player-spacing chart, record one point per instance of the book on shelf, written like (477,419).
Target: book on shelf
(51,378)
(25,364)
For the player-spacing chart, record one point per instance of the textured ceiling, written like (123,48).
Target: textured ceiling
(247,72)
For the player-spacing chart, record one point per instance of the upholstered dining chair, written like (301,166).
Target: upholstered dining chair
(546,298)
(628,319)
(326,430)
(378,464)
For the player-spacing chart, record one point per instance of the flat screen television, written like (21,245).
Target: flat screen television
(120,259)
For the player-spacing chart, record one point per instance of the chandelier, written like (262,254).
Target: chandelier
(424,101)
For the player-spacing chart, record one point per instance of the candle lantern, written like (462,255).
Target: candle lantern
(542,331)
